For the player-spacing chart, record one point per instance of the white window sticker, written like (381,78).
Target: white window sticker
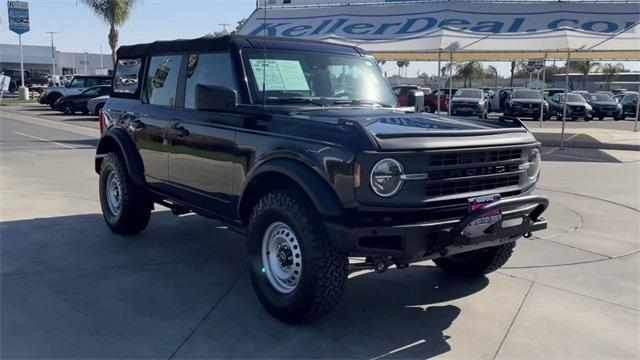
(279,74)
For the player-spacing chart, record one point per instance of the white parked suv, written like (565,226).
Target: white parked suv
(78,84)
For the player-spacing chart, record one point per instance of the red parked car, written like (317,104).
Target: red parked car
(402,93)
(431,100)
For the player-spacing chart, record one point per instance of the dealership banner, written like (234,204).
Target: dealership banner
(401,20)
(18,16)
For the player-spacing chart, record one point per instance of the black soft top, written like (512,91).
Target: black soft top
(223,43)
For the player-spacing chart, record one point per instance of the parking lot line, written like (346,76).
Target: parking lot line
(43,139)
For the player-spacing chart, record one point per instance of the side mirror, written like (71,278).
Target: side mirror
(415,98)
(215,98)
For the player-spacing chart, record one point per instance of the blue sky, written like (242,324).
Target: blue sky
(78,29)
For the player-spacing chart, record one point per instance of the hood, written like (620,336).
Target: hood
(461,99)
(527,101)
(54,88)
(391,129)
(604,103)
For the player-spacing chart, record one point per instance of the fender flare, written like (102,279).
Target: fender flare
(127,149)
(315,186)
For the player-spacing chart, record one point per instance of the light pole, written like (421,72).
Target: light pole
(53,59)
(85,62)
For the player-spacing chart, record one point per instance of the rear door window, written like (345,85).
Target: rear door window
(213,69)
(89,82)
(77,83)
(162,80)
(126,78)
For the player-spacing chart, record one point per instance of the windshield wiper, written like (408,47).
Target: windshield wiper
(359,102)
(296,100)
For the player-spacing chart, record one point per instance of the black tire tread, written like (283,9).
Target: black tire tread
(330,267)
(483,261)
(136,208)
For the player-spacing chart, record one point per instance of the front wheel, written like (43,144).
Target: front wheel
(68,109)
(478,262)
(296,272)
(126,207)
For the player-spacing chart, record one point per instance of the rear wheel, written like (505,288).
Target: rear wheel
(478,262)
(296,272)
(98,108)
(126,207)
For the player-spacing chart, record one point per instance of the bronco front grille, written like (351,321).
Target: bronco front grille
(476,157)
(453,173)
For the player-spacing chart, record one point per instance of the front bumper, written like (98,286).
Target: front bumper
(466,109)
(526,112)
(428,240)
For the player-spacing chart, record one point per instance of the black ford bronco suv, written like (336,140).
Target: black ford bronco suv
(300,145)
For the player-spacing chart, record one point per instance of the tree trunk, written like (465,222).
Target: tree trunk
(513,67)
(113,43)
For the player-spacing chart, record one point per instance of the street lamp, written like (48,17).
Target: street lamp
(53,59)
(85,62)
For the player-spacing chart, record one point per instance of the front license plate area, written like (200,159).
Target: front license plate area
(479,225)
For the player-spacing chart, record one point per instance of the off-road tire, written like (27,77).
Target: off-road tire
(136,205)
(478,262)
(324,268)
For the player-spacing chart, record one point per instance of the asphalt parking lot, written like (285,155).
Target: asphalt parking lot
(71,289)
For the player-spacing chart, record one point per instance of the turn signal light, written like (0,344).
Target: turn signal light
(101,121)
(357,176)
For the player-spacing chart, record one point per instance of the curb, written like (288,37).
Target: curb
(582,141)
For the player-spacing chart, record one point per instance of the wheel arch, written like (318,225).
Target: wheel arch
(286,173)
(117,140)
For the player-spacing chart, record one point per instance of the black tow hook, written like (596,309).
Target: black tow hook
(527,235)
(380,265)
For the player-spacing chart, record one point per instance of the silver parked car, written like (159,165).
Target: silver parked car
(95,105)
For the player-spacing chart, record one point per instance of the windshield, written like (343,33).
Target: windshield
(469,93)
(94,91)
(314,78)
(572,98)
(602,97)
(526,94)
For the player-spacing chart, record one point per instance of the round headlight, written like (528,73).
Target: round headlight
(386,178)
(535,159)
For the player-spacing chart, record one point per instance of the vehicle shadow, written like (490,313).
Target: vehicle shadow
(68,281)
(578,155)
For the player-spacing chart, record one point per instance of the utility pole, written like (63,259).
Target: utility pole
(224,27)
(53,58)
(101,63)
(85,62)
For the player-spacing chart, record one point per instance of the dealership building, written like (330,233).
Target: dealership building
(38,59)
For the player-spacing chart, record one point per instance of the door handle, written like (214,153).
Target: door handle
(136,125)
(179,130)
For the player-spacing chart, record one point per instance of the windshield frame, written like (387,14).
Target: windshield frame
(254,90)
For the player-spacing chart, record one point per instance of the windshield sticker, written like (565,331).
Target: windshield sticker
(280,74)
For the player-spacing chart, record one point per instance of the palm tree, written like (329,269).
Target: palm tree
(585,67)
(513,68)
(492,72)
(114,13)
(610,72)
(444,71)
(469,71)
